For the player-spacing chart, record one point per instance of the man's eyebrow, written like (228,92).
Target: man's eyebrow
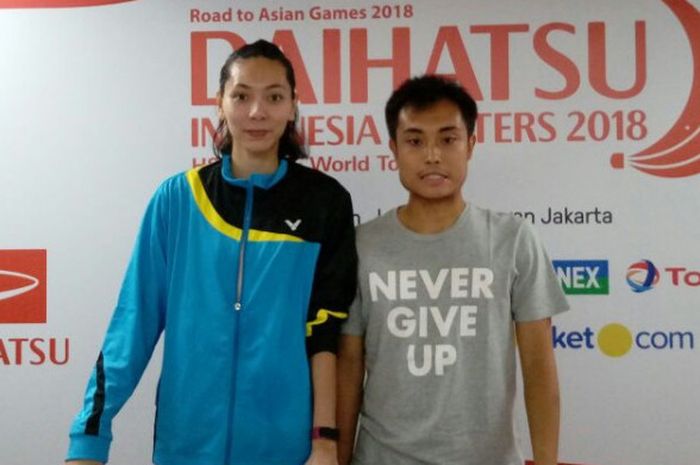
(414,130)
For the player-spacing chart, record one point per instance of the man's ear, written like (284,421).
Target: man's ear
(471,142)
(392,146)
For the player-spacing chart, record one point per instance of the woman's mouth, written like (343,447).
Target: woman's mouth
(257,133)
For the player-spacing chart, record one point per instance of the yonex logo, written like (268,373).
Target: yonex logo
(583,276)
(293,225)
(22,286)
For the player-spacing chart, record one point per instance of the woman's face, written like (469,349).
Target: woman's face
(257,103)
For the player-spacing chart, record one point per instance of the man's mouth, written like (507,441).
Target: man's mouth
(433,176)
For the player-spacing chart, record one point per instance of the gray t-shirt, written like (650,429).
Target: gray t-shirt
(436,312)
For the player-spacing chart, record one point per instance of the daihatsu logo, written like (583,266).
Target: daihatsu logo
(23,286)
(9,293)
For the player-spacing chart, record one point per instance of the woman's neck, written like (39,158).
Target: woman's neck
(244,164)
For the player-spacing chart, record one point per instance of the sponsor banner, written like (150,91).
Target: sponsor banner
(532,462)
(31,351)
(616,340)
(23,282)
(57,3)
(589,129)
(677,153)
(643,276)
(567,216)
(341,74)
(587,277)
(23,286)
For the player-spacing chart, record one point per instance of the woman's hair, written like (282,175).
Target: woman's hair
(290,146)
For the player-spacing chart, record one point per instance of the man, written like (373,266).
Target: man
(445,290)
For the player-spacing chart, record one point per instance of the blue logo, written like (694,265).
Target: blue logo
(642,276)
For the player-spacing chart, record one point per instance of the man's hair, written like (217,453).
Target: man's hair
(424,91)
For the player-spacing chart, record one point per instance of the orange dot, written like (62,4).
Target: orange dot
(617,160)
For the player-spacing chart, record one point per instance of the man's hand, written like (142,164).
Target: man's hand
(541,388)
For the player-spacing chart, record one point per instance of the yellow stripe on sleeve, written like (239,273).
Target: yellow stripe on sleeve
(255,235)
(321,317)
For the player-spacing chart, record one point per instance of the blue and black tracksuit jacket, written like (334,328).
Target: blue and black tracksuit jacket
(246,279)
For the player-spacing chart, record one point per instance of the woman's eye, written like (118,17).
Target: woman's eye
(276,97)
(239,97)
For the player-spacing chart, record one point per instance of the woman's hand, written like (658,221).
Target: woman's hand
(323,452)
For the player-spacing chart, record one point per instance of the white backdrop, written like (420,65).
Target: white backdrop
(99,104)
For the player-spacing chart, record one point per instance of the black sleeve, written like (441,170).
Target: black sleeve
(335,279)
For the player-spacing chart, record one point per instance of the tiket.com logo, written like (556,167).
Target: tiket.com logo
(643,276)
(583,277)
(23,286)
(616,340)
(677,153)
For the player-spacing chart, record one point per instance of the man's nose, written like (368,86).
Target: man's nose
(433,154)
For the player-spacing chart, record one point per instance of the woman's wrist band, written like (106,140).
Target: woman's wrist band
(325,432)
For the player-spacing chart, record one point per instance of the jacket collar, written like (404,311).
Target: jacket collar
(264,181)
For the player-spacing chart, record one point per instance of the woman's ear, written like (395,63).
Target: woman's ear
(295,108)
(219,109)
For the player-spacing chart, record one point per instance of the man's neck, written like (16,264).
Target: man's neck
(430,217)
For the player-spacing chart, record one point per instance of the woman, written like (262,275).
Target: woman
(248,265)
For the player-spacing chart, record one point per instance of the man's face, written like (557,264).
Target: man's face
(432,151)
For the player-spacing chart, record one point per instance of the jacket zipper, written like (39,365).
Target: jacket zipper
(247,215)
(238,305)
